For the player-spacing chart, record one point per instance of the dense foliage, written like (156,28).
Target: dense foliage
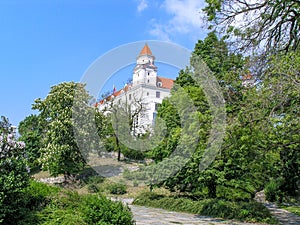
(261,145)
(31,131)
(53,205)
(14,174)
(60,152)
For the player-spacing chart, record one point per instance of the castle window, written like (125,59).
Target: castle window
(129,97)
(148,81)
(148,73)
(147,93)
(159,84)
(156,106)
(154,116)
(157,94)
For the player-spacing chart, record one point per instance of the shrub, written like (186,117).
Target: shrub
(59,206)
(14,174)
(100,210)
(93,183)
(272,190)
(117,189)
(127,174)
(135,183)
(133,154)
(232,194)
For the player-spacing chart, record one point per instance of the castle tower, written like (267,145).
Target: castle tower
(145,72)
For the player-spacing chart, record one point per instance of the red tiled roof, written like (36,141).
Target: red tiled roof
(146,50)
(115,94)
(166,82)
(247,77)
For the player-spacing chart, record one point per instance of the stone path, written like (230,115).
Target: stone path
(148,216)
(284,216)
(153,216)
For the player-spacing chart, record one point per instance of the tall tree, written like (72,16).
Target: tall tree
(271,24)
(31,132)
(60,153)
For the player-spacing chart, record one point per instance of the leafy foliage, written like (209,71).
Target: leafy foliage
(31,133)
(117,189)
(14,175)
(52,205)
(60,153)
(273,24)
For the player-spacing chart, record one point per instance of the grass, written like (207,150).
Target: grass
(53,205)
(293,209)
(243,211)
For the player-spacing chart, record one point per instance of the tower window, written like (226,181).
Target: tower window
(148,73)
(147,93)
(148,81)
(154,116)
(129,97)
(157,94)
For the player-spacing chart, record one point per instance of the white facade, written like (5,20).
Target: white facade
(146,88)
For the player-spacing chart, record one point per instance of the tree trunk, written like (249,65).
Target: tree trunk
(118,148)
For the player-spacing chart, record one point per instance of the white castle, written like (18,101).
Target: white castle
(146,88)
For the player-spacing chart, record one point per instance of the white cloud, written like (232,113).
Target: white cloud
(158,31)
(184,18)
(142,5)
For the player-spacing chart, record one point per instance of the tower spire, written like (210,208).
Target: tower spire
(146,50)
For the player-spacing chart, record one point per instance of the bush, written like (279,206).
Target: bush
(99,210)
(117,189)
(53,205)
(272,190)
(93,183)
(246,211)
(232,194)
(133,154)
(127,174)
(135,183)
(14,174)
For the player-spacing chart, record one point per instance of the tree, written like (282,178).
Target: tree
(226,66)
(124,123)
(281,88)
(31,132)
(14,174)
(271,24)
(60,153)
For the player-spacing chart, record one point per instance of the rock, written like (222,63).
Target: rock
(260,197)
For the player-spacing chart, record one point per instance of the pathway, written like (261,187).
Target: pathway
(284,216)
(153,216)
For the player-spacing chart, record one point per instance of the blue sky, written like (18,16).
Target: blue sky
(44,43)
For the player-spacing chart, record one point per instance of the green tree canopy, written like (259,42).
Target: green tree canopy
(60,153)
(31,132)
